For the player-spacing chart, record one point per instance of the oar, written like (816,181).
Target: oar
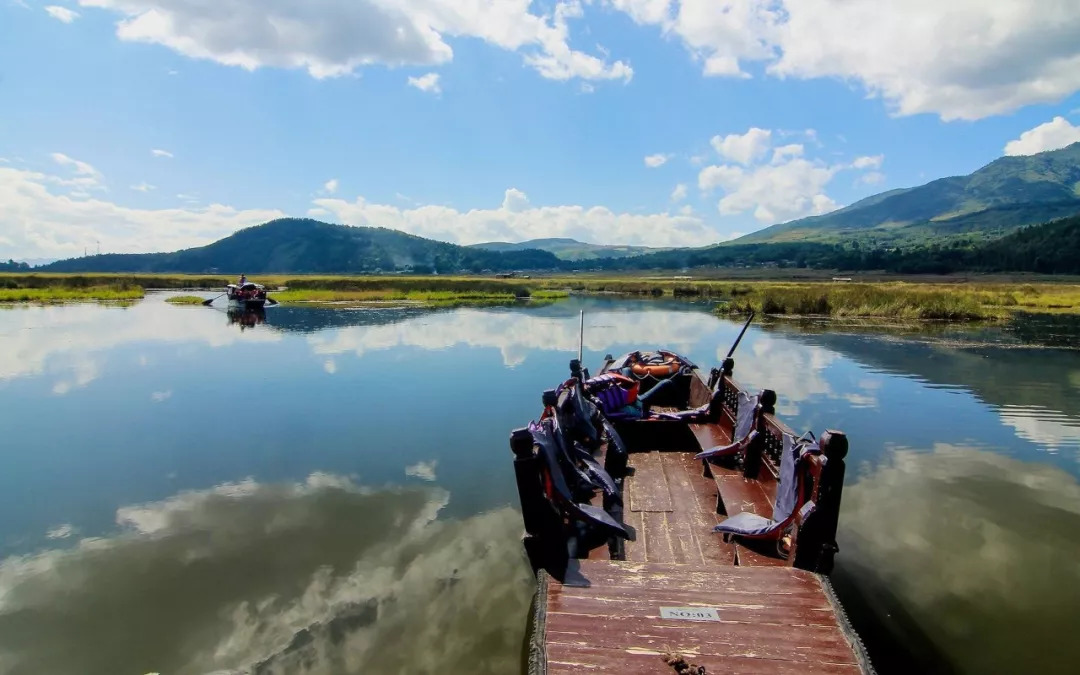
(272,301)
(741,333)
(207,303)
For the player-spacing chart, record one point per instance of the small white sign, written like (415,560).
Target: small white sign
(690,613)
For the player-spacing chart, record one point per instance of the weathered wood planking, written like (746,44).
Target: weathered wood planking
(647,487)
(771,620)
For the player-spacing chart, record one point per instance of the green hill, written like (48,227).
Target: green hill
(1008,193)
(301,246)
(569,249)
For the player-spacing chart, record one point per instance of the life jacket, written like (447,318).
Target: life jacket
(612,391)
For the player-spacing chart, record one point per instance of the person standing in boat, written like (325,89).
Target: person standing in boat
(243,279)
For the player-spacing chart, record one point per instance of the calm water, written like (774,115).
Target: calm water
(332,492)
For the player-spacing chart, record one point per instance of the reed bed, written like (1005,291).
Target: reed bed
(185,300)
(58,294)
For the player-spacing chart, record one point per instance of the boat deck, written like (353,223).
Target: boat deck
(607,618)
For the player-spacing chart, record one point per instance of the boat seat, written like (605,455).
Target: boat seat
(800,469)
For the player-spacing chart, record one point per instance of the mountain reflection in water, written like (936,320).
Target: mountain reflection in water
(317,577)
(133,540)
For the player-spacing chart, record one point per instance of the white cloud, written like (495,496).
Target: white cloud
(422,470)
(679,193)
(743,148)
(62,13)
(774,192)
(965,59)
(428,83)
(332,38)
(786,152)
(38,220)
(871,178)
(161,396)
(788,187)
(86,176)
(161,153)
(517,220)
(143,187)
(657,160)
(330,186)
(1052,135)
(870,162)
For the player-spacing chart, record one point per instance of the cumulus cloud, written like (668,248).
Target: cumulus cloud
(157,152)
(53,216)
(743,148)
(336,37)
(428,83)
(516,219)
(330,186)
(873,162)
(965,59)
(679,193)
(657,160)
(62,13)
(788,186)
(1053,135)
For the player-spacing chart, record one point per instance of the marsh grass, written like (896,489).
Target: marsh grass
(60,294)
(185,300)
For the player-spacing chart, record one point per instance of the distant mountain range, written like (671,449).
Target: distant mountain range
(569,249)
(299,246)
(951,223)
(1003,195)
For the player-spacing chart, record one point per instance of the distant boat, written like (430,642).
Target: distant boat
(246,296)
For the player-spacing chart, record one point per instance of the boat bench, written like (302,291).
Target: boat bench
(736,494)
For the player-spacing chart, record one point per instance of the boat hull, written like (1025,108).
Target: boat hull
(254,303)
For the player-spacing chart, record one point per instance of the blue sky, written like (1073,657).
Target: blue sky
(472,120)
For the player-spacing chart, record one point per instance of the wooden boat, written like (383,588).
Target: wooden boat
(246,296)
(620,512)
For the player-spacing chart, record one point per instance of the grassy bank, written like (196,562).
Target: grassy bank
(60,294)
(896,300)
(185,300)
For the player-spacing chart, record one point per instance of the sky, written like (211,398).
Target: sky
(154,125)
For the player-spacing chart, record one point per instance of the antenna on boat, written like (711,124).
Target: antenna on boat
(581,336)
(741,333)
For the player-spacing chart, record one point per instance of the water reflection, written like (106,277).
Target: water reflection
(298,568)
(247,318)
(975,551)
(321,576)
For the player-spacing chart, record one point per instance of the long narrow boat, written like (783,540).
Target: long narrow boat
(246,296)
(677,525)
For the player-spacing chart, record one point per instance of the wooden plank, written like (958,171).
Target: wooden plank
(693,524)
(751,613)
(710,435)
(637,550)
(650,575)
(659,545)
(577,659)
(807,644)
(795,600)
(647,488)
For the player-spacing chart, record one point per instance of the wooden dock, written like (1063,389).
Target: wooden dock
(606,617)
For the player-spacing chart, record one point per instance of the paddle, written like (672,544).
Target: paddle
(741,333)
(272,301)
(207,303)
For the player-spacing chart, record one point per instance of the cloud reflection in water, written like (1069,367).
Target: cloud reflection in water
(979,549)
(247,577)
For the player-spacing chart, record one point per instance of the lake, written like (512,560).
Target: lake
(331,491)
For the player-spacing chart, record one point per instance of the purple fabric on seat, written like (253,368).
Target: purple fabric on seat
(746,524)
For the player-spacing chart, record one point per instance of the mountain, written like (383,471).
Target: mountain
(302,246)
(1006,194)
(569,249)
